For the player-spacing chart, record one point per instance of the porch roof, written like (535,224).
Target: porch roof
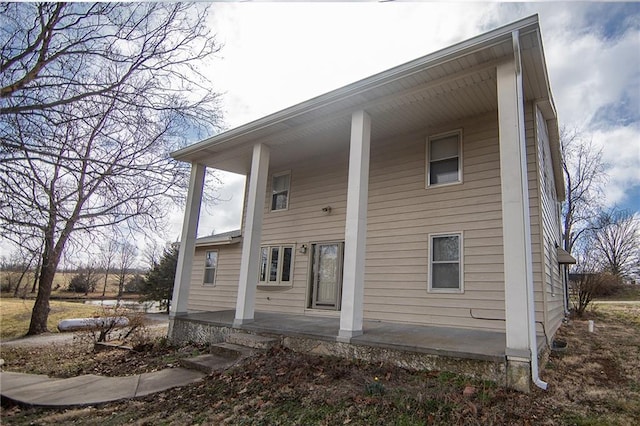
(442,87)
(442,341)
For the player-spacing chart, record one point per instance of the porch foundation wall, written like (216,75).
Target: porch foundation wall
(477,369)
(184,331)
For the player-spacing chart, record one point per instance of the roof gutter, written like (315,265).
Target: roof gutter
(531,312)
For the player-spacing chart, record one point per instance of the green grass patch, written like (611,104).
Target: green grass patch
(15,315)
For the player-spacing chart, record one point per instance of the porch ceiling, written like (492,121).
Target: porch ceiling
(440,88)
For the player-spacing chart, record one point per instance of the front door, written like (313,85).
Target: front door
(326,275)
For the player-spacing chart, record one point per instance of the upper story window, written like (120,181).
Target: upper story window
(444,159)
(210,267)
(280,183)
(445,263)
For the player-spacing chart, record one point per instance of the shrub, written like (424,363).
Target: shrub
(84,282)
(587,286)
(135,284)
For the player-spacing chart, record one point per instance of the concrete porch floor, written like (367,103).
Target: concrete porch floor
(442,341)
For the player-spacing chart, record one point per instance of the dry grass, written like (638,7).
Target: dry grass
(15,315)
(595,382)
(60,284)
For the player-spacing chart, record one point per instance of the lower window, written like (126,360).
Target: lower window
(275,264)
(445,263)
(210,267)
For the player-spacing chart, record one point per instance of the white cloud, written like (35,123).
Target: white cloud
(225,214)
(279,54)
(621,151)
(276,55)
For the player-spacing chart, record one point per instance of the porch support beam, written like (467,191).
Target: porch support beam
(351,313)
(252,235)
(521,346)
(182,281)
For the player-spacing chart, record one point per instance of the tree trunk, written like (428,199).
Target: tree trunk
(36,277)
(104,287)
(40,313)
(51,253)
(22,274)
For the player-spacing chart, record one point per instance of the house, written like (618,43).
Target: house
(417,210)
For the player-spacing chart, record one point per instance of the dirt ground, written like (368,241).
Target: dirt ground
(596,381)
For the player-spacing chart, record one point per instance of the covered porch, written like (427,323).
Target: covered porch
(474,353)
(443,341)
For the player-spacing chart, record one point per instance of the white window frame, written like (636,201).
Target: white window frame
(460,288)
(278,281)
(215,268)
(436,137)
(273,192)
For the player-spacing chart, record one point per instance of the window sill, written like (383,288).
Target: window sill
(274,287)
(445,291)
(443,185)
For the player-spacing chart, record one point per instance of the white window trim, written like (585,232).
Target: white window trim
(430,288)
(215,269)
(273,176)
(279,281)
(428,183)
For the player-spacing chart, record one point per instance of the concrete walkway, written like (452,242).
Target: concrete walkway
(43,391)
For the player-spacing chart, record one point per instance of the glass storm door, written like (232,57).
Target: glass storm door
(326,276)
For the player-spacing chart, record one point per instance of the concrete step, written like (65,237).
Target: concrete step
(231,350)
(221,356)
(208,363)
(251,340)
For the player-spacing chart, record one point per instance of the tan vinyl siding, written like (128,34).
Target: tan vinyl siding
(534,215)
(402,214)
(315,183)
(222,295)
(550,238)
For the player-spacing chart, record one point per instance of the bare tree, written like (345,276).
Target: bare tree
(107,254)
(93,98)
(15,267)
(616,240)
(587,286)
(584,173)
(127,253)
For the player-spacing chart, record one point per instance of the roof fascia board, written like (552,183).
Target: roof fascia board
(433,59)
(218,242)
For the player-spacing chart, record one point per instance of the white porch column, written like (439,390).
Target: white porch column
(355,228)
(516,226)
(188,241)
(251,238)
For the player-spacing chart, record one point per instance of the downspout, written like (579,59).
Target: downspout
(531,313)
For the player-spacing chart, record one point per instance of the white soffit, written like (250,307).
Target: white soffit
(447,85)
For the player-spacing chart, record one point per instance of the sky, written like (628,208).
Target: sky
(275,55)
